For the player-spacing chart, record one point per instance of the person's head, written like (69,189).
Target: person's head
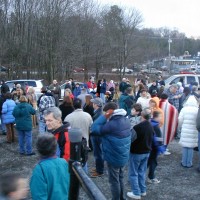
(154,93)
(186,91)
(173,88)
(52,118)
(46,145)
(179,84)
(71,79)
(68,92)
(194,88)
(8,95)
(18,86)
(110,105)
(23,99)
(143,93)
(159,77)
(129,90)
(2,82)
(77,103)
(43,89)
(13,186)
(164,96)
(30,90)
(55,82)
(88,98)
(97,103)
(157,116)
(154,83)
(77,85)
(152,103)
(146,113)
(124,79)
(67,101)
(111,81)
(136,109)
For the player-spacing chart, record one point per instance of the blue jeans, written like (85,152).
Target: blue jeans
(97,148)
(3,126)
(25,137)
(102,96)
(116,180)
(42,127)
(187,156)
(137,172)
(199,148)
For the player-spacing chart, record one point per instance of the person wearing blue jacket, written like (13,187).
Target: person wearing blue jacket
(103,90)
(50,177)
(77,90)
(8,118)
(115,130)
(23,117)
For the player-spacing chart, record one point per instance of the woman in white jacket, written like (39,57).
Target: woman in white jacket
(189,133)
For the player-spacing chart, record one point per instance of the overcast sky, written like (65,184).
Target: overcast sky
(181,14)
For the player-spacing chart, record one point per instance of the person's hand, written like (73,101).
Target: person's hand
(109,113)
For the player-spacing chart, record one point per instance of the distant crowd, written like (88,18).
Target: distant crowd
(125,124)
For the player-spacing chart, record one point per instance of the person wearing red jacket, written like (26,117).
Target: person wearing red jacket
(54,125)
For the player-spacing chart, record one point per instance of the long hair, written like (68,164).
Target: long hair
(87,100)
(67,101)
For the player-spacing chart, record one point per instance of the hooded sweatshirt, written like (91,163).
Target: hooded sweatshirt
(156,108)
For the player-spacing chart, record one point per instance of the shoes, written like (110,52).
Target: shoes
(166,153)
(132,196)
(30,154)
(144,194)
(95,175)
(153,181)
(186,166)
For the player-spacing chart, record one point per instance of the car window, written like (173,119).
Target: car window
(190,79)
(176,80)
(32,83)
(10,84)
(62,86)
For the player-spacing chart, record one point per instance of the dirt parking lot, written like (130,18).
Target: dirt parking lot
(177,183)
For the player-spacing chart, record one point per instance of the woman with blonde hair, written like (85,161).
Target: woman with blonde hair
(22,113)
(88,107)
(68,92)
(31,97)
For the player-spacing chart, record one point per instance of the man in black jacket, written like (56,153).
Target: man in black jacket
(4,88)
(140,150)
(97,141)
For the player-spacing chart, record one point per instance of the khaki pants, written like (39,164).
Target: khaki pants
(10,132)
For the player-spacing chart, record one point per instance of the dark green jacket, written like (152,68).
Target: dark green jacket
(126,102)
(22,113)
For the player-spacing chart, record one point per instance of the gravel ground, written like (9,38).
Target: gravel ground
(177,183)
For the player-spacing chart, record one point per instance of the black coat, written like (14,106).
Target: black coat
(66,110)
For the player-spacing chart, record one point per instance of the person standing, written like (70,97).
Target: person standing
(22,113)
(123,85)
(198,128)
(46,101)
(8,118)
(139,154)
(88,107)
(103,90)
(56,91)
(97,140)
(82,96)
(115,145)
(170,121)
(4,88)
(3,126)
(59,129)
(153,87)
(189,134)
(77,90)
(66,107)
(50,177)
(160,82)
(144,99)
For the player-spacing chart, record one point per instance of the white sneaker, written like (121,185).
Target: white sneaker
(166,153)
(132,196)
(144,194)
(153,181)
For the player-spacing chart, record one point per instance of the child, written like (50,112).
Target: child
(156,147)
(135,116)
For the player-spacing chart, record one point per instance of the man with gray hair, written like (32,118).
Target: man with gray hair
(50,178)
(54,125)
(174,95)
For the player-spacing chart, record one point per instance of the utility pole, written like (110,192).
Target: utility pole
(169,42)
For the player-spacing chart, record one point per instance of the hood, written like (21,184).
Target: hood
(154,123)
(119,112)
(191,101)
(156,100)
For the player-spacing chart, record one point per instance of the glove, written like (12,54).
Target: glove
(109,113)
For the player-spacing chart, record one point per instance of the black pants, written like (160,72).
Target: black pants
(152,164)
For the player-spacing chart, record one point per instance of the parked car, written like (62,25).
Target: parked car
(127,70)
(78,70)
(151,71)
(36,84)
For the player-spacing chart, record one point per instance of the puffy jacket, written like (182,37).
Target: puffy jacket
(77,91)
(103,88)
(22,113)
(62,137)
(116,137)
(187,123)
(126,102)
(7,110)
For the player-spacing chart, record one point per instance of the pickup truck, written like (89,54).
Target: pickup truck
(128,71)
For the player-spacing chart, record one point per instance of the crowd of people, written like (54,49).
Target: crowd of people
(126,124)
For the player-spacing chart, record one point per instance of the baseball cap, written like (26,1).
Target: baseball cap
(98,101)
